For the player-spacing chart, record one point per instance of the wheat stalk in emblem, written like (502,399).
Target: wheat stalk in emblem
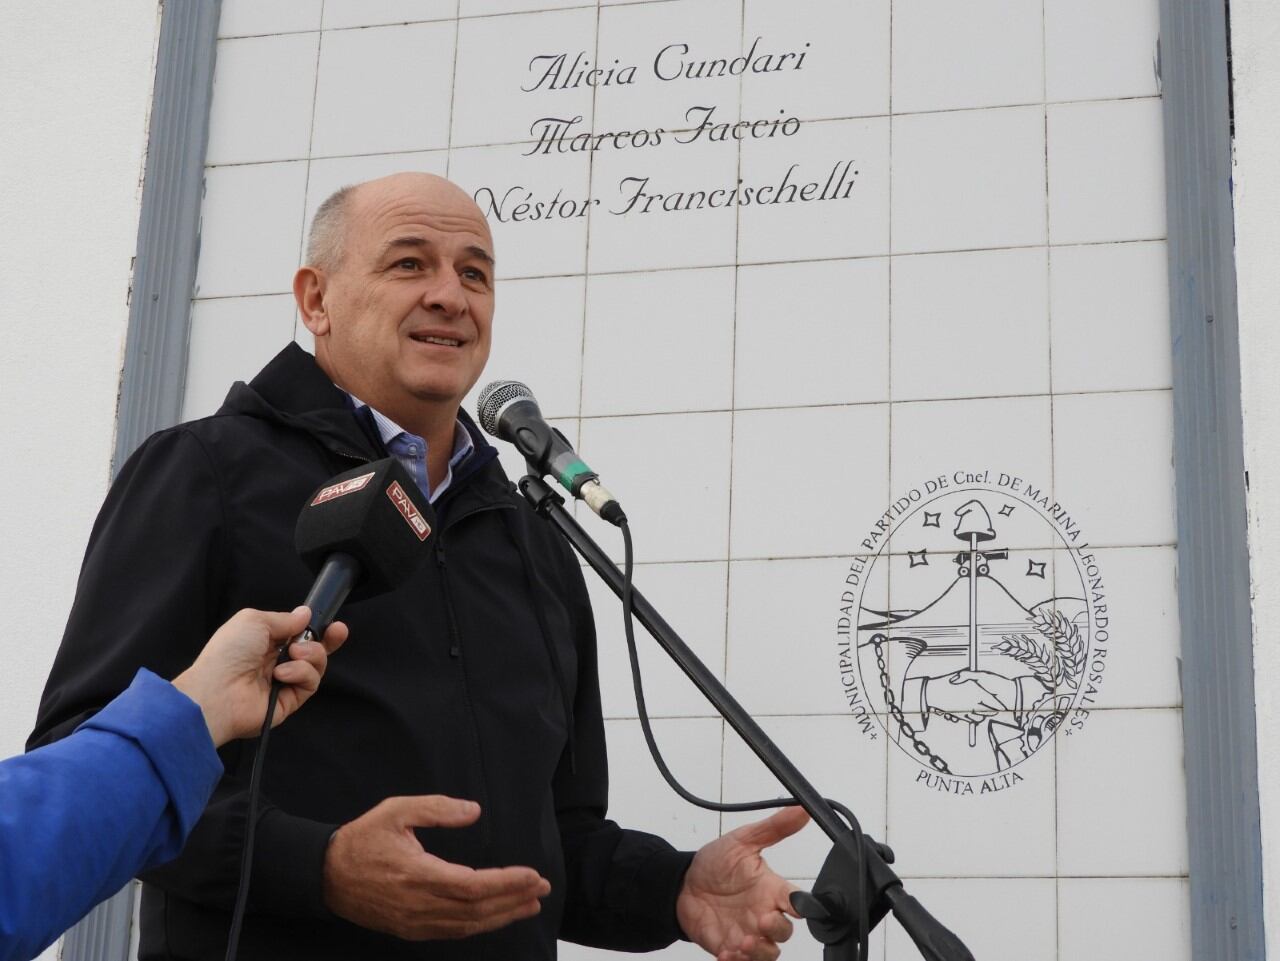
(1057,657)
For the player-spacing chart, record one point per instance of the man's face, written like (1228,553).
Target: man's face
(408,313)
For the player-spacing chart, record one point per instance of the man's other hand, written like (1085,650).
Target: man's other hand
(377,875)
(231,678)
(732,904)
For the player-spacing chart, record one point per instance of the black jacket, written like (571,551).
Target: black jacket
(476,679)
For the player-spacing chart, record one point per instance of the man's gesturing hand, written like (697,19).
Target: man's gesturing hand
(732,904)
(377,875)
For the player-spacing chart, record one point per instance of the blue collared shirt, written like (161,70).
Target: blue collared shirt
(411,450)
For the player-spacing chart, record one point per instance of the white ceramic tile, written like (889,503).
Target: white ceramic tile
(671,48)
(1121,919)
(1106,171)
(1004,828)
(487,8)
(662,207)
(670,472)
(368,13)
(971,324)
(968,180)
(955,440)
(262,89)
(537,340)
(804,479)
(245,18)
(691,598)
(1109,305)
(827,188)
(812,333)
(783,649)
(638,796)
(384,90)
(537,212)
(1122,795)
(987,53)
(232,340)
(1138,609)
(659,342)
(1133,435)
(835,757)
(998,919)
(251,229)
(1101,49)
(503,86)
(845,70)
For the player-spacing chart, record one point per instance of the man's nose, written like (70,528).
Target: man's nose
(445,294)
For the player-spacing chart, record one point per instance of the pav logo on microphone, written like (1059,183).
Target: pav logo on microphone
(972,628)
(346,487)
(410,513)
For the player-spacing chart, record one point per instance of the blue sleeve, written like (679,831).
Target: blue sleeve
(81,816)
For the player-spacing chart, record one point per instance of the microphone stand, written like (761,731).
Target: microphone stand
(832,910)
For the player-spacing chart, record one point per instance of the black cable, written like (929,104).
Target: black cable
(246,852)
(855,829)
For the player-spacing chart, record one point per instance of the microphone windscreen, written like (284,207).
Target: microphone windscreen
(496,396)
(374,512)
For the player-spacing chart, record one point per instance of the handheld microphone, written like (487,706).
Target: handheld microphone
(363,532)
(508,411)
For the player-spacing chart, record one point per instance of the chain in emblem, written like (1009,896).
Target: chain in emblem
(891,702)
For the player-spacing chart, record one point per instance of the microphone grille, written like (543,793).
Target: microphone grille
(496,396)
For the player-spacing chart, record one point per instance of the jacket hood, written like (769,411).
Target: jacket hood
(294,392)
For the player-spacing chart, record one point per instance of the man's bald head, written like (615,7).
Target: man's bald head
(332,223)
(398,293)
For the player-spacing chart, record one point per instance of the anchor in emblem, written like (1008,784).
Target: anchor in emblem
(974,526)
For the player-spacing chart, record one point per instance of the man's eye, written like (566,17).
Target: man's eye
(409,263)
(472,273)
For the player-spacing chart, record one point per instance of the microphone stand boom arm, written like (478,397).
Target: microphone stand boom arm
(832,910)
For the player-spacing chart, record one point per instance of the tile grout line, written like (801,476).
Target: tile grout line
(1053,472)
(885,721)
(733,404)
(753,263)
(1052,467)
(453,91)
(807,121)
(311,139)
(586,249)
(843,405)
(836,713)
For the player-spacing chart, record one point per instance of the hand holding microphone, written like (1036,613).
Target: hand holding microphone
(231,679)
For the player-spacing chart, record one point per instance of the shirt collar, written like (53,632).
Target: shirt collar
(389,430)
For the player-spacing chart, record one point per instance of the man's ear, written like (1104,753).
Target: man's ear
(309,286)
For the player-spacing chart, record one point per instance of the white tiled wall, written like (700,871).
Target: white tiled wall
(759,382)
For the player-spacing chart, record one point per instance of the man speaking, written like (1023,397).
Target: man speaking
(445,797)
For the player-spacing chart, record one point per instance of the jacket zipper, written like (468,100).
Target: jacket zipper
(455,651)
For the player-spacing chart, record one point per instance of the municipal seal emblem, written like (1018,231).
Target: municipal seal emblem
(973,629)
